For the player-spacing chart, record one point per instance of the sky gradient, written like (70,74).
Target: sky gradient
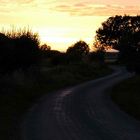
(61,23)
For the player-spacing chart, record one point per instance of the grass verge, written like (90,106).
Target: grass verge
(127,96)
(20,90)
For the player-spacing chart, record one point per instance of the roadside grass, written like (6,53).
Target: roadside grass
(20,90)
(127,96)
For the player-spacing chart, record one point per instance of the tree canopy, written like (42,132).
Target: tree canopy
(122,33)
(18,50)
(78,50)
(115,29)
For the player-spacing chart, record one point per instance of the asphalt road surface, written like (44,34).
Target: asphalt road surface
(83,112)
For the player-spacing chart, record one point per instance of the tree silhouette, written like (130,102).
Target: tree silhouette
(26,49)
(18,50)
(117,28)
(122,33)
(45,47)
(78,51)
(6,53)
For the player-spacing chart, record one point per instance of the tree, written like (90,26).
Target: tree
(122,33)
(45,47)
(18,50)
(6,53)
(26,49)
(45,51)
(78,51)
(116,29)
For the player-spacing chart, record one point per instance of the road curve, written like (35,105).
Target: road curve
(84,112)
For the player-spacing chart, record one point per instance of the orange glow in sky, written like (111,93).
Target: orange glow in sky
(60,23)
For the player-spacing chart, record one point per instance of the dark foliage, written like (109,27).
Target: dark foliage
(77,51)
(54,57)
(122,33)
(58,58)
(6,53)
(26,50)
(45,47)
(18,50)
(97,56)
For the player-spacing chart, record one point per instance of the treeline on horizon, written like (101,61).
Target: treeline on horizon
(21,49)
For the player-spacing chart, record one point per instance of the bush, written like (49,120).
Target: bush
(18,50)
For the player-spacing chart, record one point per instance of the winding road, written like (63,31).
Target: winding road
(83,112)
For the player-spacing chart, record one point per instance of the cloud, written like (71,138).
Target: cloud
(16,1)
(88,9)
(15,6)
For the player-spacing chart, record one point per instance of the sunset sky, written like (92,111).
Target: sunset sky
(61,23)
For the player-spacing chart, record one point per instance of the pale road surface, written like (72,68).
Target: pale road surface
(84,112)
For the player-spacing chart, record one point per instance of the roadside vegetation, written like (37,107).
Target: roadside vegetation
(127,96)
(30,70)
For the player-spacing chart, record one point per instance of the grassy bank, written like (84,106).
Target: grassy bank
(20,90)
(127,96)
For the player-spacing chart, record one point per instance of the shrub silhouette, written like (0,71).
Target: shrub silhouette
(55,57)
(59,59)
(26,50)
(18,50)
(6,53)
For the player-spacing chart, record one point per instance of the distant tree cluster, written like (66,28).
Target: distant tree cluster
(18,50)
(122,33)
(21,49)
(75,53)
(78,51)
